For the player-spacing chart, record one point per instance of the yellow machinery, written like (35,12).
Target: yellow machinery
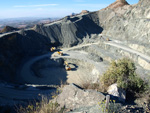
(52,49)
(107,39)
(60,53)
(66,63)
(68,68)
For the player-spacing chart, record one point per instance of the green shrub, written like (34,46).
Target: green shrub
(123,73)
(113,107)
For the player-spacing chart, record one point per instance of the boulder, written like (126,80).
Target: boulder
(73,97)
(117,92)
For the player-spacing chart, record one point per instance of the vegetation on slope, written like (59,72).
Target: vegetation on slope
(123,73)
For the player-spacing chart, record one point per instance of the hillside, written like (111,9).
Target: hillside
(8,29)
(89,42)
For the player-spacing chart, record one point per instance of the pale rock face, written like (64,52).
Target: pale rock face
(144,63)
(118,92)
(131,26)
(137,47)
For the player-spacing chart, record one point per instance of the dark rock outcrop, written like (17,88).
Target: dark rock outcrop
(8,29)
(71,30)
(15,47)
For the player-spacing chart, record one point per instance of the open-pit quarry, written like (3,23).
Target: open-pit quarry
(88,41)
(40,75)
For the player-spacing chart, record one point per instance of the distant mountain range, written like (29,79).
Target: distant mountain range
(24,22)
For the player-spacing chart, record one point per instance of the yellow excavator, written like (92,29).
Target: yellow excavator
(67,67)
(107,39)
(66,63)
(60,53)
(52,49)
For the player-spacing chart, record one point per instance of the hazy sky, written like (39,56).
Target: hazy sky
(50,8)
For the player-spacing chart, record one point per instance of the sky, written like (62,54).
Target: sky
(50,8)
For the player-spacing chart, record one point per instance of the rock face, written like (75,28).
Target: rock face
(133,26)
(74,97)
(71,30)
(117,92)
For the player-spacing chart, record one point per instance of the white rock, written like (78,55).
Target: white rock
(118,92)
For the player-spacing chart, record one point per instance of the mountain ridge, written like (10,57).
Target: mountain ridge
(117,4)
(8,29)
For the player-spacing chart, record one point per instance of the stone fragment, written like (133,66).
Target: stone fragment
(117,92)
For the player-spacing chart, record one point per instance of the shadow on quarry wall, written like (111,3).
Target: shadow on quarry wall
(87,26)
(38,38)
(70,31)
(15,47)
(49,71)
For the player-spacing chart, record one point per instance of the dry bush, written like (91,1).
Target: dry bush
(46,105)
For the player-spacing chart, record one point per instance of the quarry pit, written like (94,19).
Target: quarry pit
(41,75)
